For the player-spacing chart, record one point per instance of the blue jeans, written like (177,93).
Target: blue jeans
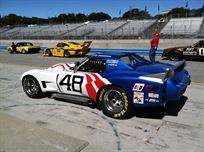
(152,54)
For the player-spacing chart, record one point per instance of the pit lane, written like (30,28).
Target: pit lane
(179,128)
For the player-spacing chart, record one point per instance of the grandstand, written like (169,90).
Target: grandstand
(180,27)
(114,29)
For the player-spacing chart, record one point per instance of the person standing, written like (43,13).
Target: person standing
(154,45)
(13,46)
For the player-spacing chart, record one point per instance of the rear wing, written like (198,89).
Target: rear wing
(170,72)
(85,43)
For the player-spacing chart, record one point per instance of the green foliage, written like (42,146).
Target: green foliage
(14,20)
(98,16)
(136,14)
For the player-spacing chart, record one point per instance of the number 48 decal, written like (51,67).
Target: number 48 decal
(73,83)
(201,51)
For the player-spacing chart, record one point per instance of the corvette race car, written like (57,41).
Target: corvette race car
(118,82)
(66,49)
(24,47)
(178,53)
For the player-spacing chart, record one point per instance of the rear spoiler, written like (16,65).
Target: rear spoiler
(162,77)
(86,43)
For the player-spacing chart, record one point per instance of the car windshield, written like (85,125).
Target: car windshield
(74,43)
(134,60)
(25,44)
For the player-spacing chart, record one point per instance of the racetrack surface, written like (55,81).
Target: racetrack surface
(179,127)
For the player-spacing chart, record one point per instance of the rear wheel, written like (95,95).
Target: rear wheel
(115,102)
(48,52)
(175,56)
(31,87)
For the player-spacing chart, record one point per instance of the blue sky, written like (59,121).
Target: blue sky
(50,8)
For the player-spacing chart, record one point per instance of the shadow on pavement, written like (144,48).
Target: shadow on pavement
(172,108)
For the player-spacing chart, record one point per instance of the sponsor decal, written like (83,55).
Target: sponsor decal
(201,52)
(138,97)
(153,95)
(189,53)
(112,62)
(153,100)
(138,87)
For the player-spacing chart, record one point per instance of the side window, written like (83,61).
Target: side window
(65,45)
(93,65)
(60,45)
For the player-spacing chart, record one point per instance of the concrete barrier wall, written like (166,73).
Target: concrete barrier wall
(164,43)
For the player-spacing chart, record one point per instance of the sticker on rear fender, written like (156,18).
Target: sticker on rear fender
(138,87)
(138,97)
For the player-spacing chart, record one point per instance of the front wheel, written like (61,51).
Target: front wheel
(115,102)
(23,51)
(175,56)
(47,52)
(10,50)
(66,54)
(31,87)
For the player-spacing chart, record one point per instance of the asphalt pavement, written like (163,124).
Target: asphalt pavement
(30,125)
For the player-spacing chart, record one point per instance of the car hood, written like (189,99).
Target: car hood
(153,68)
(178,47)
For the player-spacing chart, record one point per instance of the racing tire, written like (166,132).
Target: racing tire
(23,51)
(66,54)
(175,56)
(10,51)
(48,52)
(31,87)
(115,102)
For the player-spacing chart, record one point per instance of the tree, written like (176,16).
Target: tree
(136,14)
(81,17)
(99,16)
(179,12)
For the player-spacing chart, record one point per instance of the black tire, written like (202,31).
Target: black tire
(175,56)
(23,51)
(10,50)
(115,102)
(66,54)
(31,87)
(48,52)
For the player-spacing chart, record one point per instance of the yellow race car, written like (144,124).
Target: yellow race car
(66,49)
(23,47)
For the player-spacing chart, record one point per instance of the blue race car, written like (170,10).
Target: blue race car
(118,82)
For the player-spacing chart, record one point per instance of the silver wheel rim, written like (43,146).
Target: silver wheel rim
(114,101)
(30,86)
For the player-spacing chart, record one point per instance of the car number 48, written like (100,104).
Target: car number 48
(73,82)
(201,51)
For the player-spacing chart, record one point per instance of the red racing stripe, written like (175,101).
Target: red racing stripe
(90,89)
(56,65)
(99,83)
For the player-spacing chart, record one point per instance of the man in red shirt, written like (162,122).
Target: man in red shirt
(154,46)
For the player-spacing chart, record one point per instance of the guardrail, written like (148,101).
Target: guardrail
(98,50)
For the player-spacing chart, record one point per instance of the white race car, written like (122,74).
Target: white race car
(118,82)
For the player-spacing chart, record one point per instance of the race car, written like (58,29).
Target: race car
(66,49)
(119,83)
(23,47)
(179,53)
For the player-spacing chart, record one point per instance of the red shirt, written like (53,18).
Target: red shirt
(155,41)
